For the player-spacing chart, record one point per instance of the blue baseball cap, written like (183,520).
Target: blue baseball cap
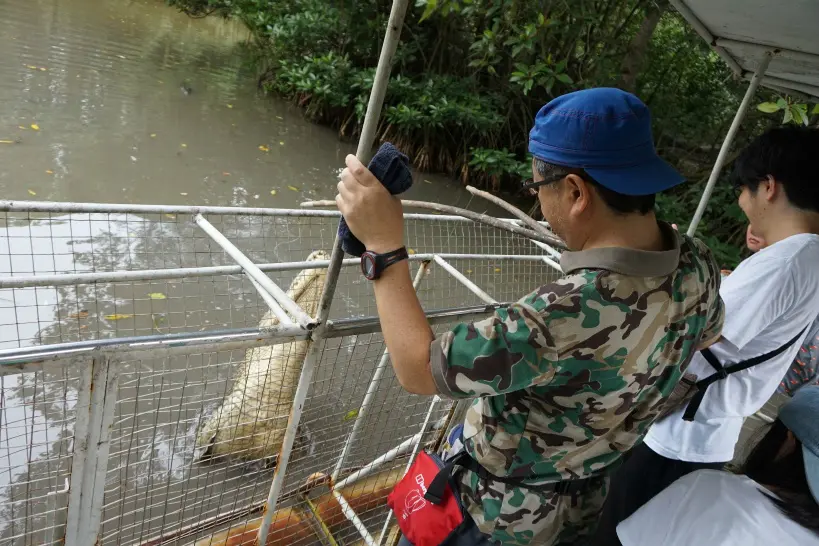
(799,415)
(607,133)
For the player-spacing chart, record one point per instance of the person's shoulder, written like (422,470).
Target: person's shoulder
(696,255)
(801,249)
(561,291)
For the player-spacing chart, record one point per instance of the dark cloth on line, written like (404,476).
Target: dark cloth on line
(641,477)
(392,169)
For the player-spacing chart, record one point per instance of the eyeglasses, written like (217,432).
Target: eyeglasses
(738,190)
(530,187)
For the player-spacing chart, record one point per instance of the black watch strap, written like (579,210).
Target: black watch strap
(386,260)
(380,262)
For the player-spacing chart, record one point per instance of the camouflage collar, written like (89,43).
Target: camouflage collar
(627,261)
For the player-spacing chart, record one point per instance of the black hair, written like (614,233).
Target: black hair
(785,476)
(788,154)
(618,202)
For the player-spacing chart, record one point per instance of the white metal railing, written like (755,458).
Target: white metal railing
(112,378)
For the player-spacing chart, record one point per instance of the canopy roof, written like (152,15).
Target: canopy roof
(742,31)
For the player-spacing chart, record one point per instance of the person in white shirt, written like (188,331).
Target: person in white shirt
(770,299)
(772,501)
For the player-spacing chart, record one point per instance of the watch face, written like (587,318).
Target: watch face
(368,265)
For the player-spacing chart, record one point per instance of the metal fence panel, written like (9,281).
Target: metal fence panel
(155,486)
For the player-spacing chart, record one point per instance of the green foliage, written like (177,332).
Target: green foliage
(470,75)
(794,112)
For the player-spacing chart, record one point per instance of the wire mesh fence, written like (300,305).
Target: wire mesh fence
(82,243)
(159,479)
(37,414)
(195,436)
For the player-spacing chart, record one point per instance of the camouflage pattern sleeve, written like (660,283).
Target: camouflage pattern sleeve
(716,313)
(716,318)
(509,351)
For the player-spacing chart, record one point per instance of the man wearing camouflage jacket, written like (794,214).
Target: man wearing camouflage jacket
(568,379)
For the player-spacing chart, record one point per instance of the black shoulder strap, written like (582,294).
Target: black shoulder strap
(721,372)
(435,491)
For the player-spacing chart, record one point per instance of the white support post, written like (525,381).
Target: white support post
(365,144)
(90,464)
(372,388)
(285,303)
(389,456)
(310,361)
(350,514)
(80,456)
(474,288)
(409,463)
(729,139)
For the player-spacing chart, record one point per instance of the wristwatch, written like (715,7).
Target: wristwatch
(373,265)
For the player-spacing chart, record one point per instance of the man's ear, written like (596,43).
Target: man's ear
(579,192)
(770,187)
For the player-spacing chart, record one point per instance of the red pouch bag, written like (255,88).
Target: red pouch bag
(426,518)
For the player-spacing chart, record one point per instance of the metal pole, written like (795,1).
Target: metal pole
(80,456)
(387,457)
(381,80)
(463,280)
(553,264)
(432,404)
(103,447)
(350,514)
(258,275)
(271,303)
(68,279)
(726,144)
(365,144)
(103,393)
(371,389)
(289,439)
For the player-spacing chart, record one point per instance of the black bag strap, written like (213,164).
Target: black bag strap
(435,491)
(721,372)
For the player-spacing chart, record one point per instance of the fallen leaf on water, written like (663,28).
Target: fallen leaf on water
(184,145)
(49,171)
(31,66)
(281,143)
(279,117)
(23,127)
(118,317)
(6,142)
(230,106)
(469,271)
(35,126)
(171,216)
(153,135)
(428,181)
(352,414)
(43,69)
(272,192)
(133,158)
(157,296)
(83,327)
(497,270)
(183,193)
(224,173)
(264,148)
(410,251)
(32,192)
(293,188)
(81,314)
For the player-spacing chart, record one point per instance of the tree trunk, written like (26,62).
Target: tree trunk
(636,52)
